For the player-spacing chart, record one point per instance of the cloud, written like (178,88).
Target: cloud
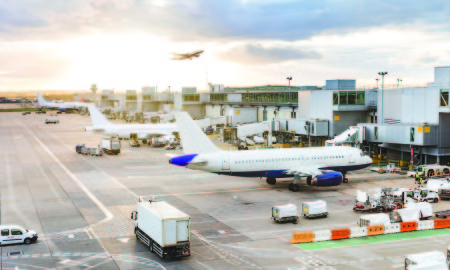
(257,54)
(214,19)
(428,59)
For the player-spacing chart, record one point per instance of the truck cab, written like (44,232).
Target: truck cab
(426,195)
(13,234)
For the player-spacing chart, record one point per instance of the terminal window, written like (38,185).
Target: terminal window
(147,97)
(218,97)
(191,97)
(131,97)
(349,98)
(444,98)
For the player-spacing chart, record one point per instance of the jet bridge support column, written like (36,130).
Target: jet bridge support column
(269,135)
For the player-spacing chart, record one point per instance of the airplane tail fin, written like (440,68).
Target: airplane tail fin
(193,139)
(41,100)
(98,119)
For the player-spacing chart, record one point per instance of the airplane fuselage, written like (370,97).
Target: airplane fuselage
(276,162)
(142,131)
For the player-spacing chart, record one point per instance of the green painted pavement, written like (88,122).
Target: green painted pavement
(372,239)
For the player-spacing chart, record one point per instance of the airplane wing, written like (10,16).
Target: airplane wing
(306,170)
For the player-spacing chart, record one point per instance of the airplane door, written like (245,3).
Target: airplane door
(225,162)
(351,158)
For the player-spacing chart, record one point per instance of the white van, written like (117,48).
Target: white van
(13,234)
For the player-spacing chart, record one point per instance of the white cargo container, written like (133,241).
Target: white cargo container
(110,146)
(374,219)
(433,260)
(405,215)
(163,228)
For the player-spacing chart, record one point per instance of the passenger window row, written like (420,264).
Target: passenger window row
(286,159)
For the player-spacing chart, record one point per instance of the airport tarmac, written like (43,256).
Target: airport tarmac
(81,206)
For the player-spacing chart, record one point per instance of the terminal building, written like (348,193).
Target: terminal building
(401,123)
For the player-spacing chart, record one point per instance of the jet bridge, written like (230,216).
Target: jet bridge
(353,136)
(245,131)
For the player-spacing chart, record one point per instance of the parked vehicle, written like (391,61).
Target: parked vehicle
(93,151)
(13,234)
(378,200)
(374,219)
(111,146)
(314,209)
(430,170)
(425,209)
(444,192)
(85,150)
(425,195)
(285,213)
(78,148)
(170,147)
(429,260)
(405,215)
(163,228)
(442,214)
(134,143)
(51,121)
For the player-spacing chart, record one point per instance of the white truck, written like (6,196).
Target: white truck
(434,260)
(110,146)
(163,228)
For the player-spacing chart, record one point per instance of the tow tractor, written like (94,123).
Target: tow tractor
(380,200)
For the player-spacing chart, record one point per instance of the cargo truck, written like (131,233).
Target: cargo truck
(163,228)
(110,146)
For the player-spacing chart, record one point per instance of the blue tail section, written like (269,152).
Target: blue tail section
(182,160)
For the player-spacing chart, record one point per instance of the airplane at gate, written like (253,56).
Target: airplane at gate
(319,166)
(62,106)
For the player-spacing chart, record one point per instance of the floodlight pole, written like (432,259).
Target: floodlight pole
(289,80)
(380,106)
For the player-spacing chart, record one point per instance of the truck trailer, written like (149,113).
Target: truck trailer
(163,228)
(110,146)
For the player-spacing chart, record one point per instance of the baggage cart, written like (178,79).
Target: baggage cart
(374,219)
(93,151)
(442,214)
(285,213)
(85,150)
(314,209)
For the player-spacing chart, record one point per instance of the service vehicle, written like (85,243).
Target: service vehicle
(444,192)
(374,219)
(163,228)
(425,195)
(430,170)
(111,146)
(314,209)
(94,151)
(85,150)
(13,234)
(378,200)
(25,113)
(429,260)
(442,214)
(134,143)
(436,184)
(285,213)
(170,147)
(78,148)
(52,121)
(405,215)
(425,209)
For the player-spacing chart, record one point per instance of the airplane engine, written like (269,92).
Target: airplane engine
(329,179)
(62,109)
(182,160)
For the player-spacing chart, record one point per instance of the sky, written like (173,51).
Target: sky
(127,44)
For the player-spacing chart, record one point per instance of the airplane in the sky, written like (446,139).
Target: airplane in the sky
(320,166)
(145,132)
(62,106)
(186,56)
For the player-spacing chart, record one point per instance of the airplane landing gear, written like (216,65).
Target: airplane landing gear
(294,187)
(344,179)
(271,181)
(144,141)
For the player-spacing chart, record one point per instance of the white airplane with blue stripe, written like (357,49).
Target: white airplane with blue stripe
(319,166)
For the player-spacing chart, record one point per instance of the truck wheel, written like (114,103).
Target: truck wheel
(27,241)
(435,200)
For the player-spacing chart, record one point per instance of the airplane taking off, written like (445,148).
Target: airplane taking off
(321,166)
(186,56)
(62,106)
(144,132)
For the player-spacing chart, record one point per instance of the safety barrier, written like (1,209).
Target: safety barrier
(340,234)
(375,230)
(425,225)
(441,223)
(392,228)
(358,232)
(322,236)
(302,237)
(408,226)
